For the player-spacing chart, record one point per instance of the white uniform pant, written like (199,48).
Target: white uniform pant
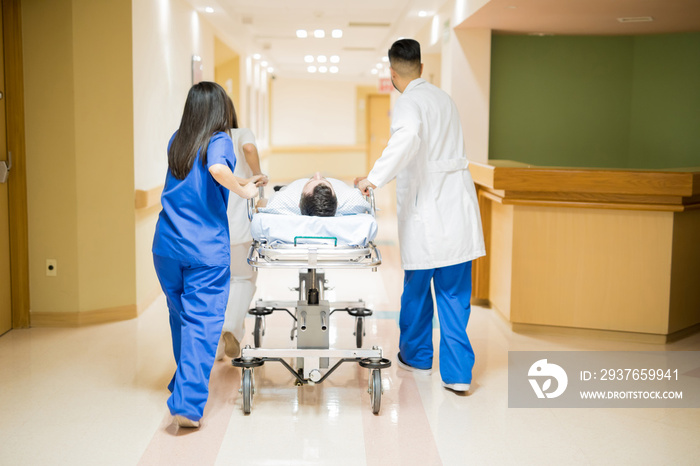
(243,279)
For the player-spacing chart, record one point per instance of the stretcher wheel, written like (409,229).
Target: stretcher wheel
(259,331)
(247,389)
(375,390)
(359,330)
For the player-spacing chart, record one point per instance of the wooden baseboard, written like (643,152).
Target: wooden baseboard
(590,333)
(80,319)
(99,316)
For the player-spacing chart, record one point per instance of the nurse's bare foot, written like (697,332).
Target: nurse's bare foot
(182,421)
(232,348)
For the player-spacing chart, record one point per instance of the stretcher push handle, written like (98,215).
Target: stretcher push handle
(370,199)
(251,202)
(317,237)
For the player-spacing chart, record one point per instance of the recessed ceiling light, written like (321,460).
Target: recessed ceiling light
(335,59)
(637,19)
(302,34)
(385,59)
(263,63)
(321,59)
(270,69)
(309,58)
(422,14)
(374,71)
(322,69)
(333,69)
(319,33)
(379,66)
(209,9)
(311,69)
(257,56)
(337,33)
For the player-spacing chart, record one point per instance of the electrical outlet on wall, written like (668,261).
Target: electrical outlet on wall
(51,267)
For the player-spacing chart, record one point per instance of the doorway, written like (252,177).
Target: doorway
(5,291)
(14,263)
(378,133)
(378,126)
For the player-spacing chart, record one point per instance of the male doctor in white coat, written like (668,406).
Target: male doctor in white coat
(438,215)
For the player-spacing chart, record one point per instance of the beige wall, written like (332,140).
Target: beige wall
(165,36)
(313,112)
(79,147)
(459,62)
(50,150)
(227,72)
(432,68)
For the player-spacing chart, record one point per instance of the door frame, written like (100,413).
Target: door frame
(17,182)
(369,123)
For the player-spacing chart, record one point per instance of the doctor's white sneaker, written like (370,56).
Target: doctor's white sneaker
(457,387)
(232,348)
(406,367)
(182,421)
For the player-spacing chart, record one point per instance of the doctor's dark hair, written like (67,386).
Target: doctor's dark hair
(321,202)
(208,110)
(404,56)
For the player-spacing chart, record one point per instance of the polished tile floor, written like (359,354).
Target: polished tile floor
(96,396)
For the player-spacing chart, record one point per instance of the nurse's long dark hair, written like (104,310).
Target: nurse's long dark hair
(208,110)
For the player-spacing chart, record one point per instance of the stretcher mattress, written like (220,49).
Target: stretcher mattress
(348,230)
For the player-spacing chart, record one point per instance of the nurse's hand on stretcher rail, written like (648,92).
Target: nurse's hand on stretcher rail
(362,183)
(262,181)
(244,188)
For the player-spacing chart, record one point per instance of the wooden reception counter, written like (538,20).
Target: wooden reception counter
(599,250)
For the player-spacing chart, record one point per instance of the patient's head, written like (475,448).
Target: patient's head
(318,198)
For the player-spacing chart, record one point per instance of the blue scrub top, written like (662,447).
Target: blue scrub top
(193,225)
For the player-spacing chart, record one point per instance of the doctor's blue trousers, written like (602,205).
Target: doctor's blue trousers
(197,296)
(453,289)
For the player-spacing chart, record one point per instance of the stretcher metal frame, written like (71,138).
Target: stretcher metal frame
(312,313)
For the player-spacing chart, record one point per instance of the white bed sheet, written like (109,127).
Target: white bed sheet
(350,230)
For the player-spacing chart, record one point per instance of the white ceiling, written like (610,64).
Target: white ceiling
(369,27)
(269,28)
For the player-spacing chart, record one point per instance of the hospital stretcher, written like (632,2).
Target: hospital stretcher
(311,358)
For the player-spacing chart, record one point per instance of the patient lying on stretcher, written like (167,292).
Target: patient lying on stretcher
(317,197)
(338,211)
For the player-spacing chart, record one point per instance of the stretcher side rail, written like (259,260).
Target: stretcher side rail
(312,256)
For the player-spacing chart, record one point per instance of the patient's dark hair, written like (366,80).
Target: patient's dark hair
(320,203)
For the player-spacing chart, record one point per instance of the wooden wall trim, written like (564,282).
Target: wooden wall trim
(316,149)
(17,182)
(672,191)
(143,199)
(594,181)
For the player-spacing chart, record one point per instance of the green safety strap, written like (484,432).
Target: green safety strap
(316,237)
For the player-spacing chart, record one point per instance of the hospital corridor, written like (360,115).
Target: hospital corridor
(96,395)
(230,231)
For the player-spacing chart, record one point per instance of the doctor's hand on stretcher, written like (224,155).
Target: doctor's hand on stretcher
(245,188)
(362,183)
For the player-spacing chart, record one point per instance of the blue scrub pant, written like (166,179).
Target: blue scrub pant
(453,289)
(197,296)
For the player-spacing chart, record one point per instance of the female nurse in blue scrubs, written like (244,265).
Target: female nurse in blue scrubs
(191,248)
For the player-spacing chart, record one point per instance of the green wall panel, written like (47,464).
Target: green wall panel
(665,114)
(613,102)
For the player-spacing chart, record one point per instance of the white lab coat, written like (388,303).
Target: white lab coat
(239,225)
(438,212)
